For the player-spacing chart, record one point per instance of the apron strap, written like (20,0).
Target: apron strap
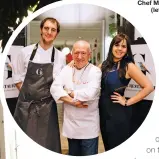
(34,52)
(53,55)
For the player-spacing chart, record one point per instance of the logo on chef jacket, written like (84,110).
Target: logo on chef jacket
(39,71)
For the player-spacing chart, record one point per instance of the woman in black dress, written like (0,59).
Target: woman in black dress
(115,110)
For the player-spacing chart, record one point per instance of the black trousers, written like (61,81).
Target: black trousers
(114,133)
(83,147)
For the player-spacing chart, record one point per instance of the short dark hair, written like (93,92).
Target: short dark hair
(53,20)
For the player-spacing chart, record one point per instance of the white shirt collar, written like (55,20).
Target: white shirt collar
(48,50)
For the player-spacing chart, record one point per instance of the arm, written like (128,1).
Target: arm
(57,87)
(146,86)
(18,70)
(93,88)
(59,63)
(58,92)
(69,100)
(135,73)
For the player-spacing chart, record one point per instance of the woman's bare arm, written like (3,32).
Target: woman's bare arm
(146,85)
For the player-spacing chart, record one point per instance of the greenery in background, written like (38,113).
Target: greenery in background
(116,27)
(12,13)
(112,30)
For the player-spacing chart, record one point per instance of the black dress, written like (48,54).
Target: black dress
(114,118)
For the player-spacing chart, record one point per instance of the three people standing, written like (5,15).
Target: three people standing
(79,88)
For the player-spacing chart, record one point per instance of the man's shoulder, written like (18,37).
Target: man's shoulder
(58,51)
(94,72)
(28,48)
(60,54)
(95,68)
(67,68)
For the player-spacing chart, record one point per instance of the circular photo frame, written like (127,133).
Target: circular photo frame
(100,28)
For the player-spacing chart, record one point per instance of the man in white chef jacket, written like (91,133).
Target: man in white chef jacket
(76,86)
(33,73)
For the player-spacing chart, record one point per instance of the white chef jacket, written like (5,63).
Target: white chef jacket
(19,69)
(79,123)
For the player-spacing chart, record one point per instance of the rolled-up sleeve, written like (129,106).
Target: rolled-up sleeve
(57,87)
(92,91)
(18,68)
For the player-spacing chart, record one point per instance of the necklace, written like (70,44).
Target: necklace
(79,80)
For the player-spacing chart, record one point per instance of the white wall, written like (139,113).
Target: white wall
(77,20)
(69,34)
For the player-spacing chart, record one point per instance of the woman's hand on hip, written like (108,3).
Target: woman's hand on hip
(117,98)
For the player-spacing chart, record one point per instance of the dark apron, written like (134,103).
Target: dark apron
(36,110)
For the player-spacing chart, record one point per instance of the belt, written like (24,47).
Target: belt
(41,100)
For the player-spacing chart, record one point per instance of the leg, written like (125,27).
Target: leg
(74,147)
(89,146)
(104,138)
(114,134)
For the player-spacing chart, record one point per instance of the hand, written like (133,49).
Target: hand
(117,98)
(71,64)
(19,85)
(80,104)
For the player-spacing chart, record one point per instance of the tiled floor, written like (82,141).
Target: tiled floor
(64,140)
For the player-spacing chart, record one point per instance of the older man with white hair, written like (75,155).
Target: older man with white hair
(79,89)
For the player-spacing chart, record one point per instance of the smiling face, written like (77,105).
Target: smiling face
(48,32)
(119,50)
(81,53)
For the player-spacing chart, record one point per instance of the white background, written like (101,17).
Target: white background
(135,147)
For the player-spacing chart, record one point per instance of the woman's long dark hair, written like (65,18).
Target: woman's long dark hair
(108,64)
